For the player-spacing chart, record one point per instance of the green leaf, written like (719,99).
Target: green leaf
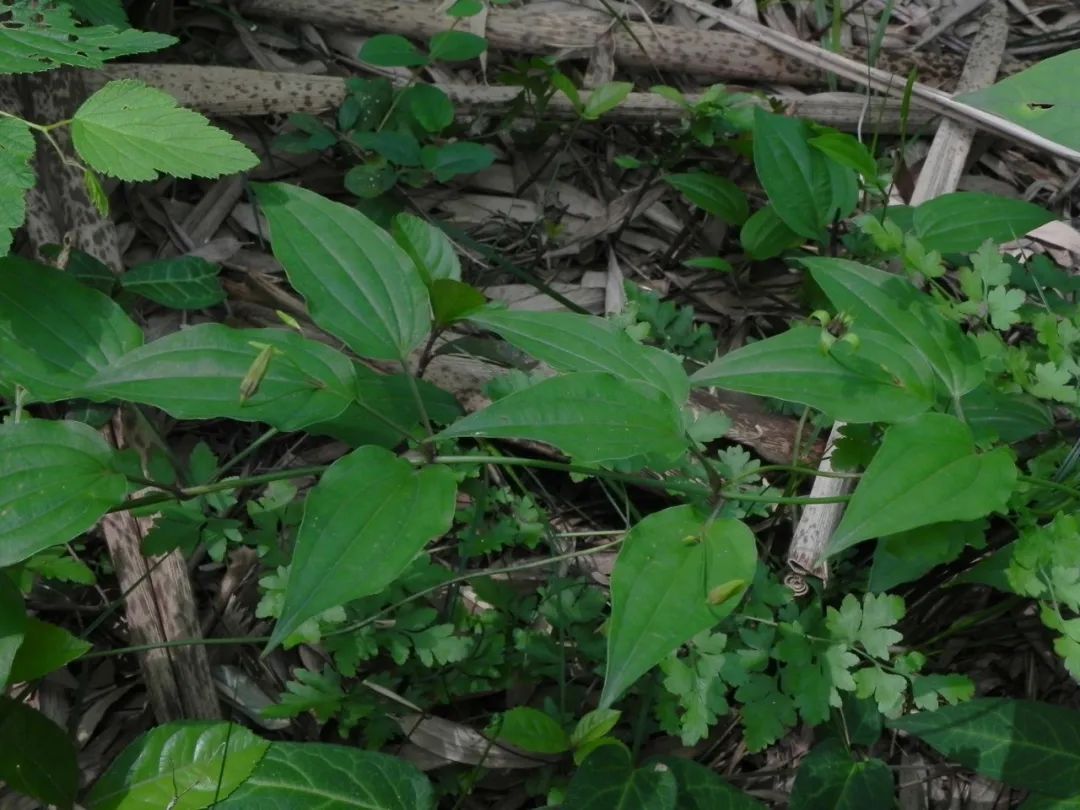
(570,342)
(829,779)
(359,285)
(16,175)
(455,46)
(453,301)
(36,38)
(662,589)
(12,626)
(183,765)
(45,649)
(370,180)
(56,333)
(1025,744)
(881,381)
(716,195)
(1036,801)
(1002,305)
(594,726)
(101,12)
(391,50)
(56,481)
(927,471)
(199,373)
(592,417)
(460,157)
(764,235)
(316,776)
(430,249)
(531,730)
(400,148)
(429,106)
(846,150)
(906,556)
(607,780)
(465,8)
(348,547)
(992,414)
(39,759)
(960,222)
(868,623)
(605,98)
(701,788)
(1040,98)
(132,131)
(186,282)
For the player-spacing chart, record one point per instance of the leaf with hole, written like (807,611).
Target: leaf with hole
(186,282)
(960,222)
(715,195)
(39,759)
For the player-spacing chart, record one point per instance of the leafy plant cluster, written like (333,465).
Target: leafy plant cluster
(946,358)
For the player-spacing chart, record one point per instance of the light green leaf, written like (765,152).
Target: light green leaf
(1002,305)
(607,780)
(570,342)
(56,333)
(39,758)
(183,765)
(56,481)
(16,175)
(716,195)
(350,547)
(531,730)
(829,779)
(455,46)
(668,568)
(317,776)
(846,150)
(992,414)
(592,417)
(702,788)
(12,626)
(186,282)
(359,285)
(880,381)
(429,248)
(45,648)
(927,471)
(594,726)
(960,222)
(1025,744)
(198,373)
(391,50)
(605,98)
(132,131)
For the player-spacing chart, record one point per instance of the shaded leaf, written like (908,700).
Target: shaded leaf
(716,195)
(765,235)
(531,730)
(830,779)
(45,648)
(995,415)
(186,282)
(453,301)
(12,626)
(391,50)
(39,759)
(460,157)
(701,788)
(607,780)
(455,46)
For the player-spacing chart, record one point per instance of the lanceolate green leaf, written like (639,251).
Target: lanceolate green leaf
(992,415)
(880,381)
(350,546)
(358,283)
(701,788)
(428,247)
(927,471)
(1029,745)
(608,780)
(186,766)
(197,374)
(56,333)
(961,221)
(56,481)
(592,417)
(317,776)
(16,176)
(571,342)
(12,626)
(716,195)
(45,648)
(39,759)
(132,131)
(186,282)
(677,574)
(831,779)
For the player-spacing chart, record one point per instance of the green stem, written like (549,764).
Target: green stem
(1048,484)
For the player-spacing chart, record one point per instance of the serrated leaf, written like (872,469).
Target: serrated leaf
(359,285)
(830,779)
(16,176)
(349,548)
(607,780)
(198,373)
(667,566)
(716,195)
(927,471)
(429,248)
(592,417)
(186,282)
(39,759)
(701,788)
(1023,743)
(45,648)
(531,730)
(132,131)
(317,776)
(56,481)
(181,765)
(12,626)
(961,221)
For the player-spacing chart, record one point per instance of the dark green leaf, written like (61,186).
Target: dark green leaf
(367,104)
(607,780)
(56,481)
(532,730)
(101,12)
(369,180)
(429,248)
(45,649)
(349,547)
(906,556)
(701,788)
(460,157)
(829,779)
(454,300)
(465,8)
(994,415)
(765,235)
(38,759)
(677,574)
(1035,746)
(594,726)
(400,148)
(16,176)
(429,106)
(1035,801)
(187,282)
(716,195)
(846,150)
(12,626)
(455,46)
(961,221)
(391,50)
(605,98)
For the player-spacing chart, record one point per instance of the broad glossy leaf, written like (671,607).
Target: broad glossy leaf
(16,176)
(197,373)
(56,333)
(570,342)
(994,415)
(701,788)
(880,381)
(350,546)
(359,285)
(716,195)
(927,471)
(532,730)
(56,481)
(45,648)
(883,302)
(429,248)
(830,779)
(12,626)
(185,282)
(317,776)
(592,417)
(961,221)
(670,571)
(607,780)
(185,766)
(39,759)
(1025,744)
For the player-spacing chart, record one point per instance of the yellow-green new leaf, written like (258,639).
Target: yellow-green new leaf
(16,176)
(132,131)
